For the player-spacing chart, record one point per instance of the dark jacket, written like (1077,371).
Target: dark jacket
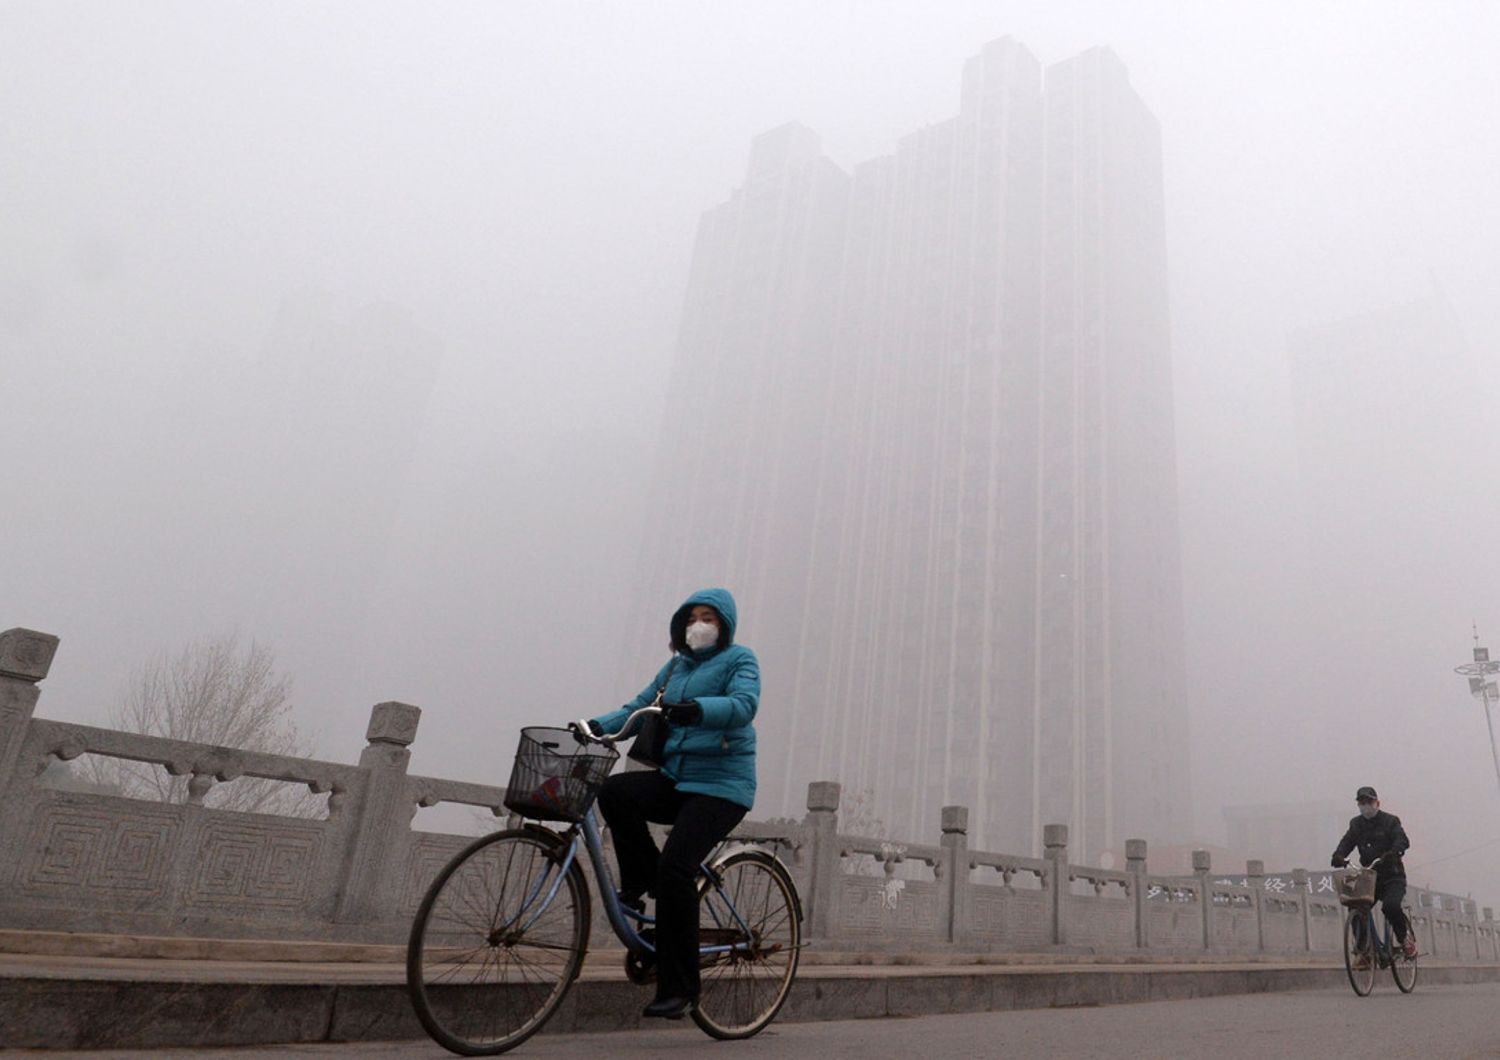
(1374,837)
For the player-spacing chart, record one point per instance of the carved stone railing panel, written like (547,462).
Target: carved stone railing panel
(1174,912)
(1010,900)
(257,864)
(1325,926)
(1281,918)
(895,902)
(1010,918)
(108,852)
(1233,921)
(426,854)
(1106,924)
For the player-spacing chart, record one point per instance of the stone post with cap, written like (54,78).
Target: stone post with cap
(1135,864)
(1255,877)
(381,824)
(821,901)
(25,658)
(955,844)
(1201,866)
(1055,847)
(1304,898)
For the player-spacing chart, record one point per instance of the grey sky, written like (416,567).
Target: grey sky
(519,185)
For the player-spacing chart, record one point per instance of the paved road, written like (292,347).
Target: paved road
(1441,1022)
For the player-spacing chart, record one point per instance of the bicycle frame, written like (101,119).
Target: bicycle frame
(1380,941)
(619,917)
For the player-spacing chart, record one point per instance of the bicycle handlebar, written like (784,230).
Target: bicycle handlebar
(610,738)
(1377,861)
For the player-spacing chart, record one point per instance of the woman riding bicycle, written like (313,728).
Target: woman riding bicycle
(708,691)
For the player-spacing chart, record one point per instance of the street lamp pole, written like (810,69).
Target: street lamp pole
(1478,672)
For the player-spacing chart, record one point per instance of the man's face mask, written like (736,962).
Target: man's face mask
(1368,810)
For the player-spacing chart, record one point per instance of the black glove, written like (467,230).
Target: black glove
(1341,863)
(689,713)
(583,728)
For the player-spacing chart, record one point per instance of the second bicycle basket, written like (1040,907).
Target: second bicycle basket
(555,777)
(1357,888)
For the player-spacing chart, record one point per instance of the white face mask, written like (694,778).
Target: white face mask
(701,635)
(1368,810)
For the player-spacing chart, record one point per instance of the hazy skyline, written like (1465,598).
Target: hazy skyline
(522,183)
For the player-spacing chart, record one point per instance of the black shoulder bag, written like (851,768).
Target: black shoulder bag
(650,742)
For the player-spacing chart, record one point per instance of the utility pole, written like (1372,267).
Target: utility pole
(1478,672)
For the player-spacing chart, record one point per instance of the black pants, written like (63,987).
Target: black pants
(1389,893)
(699,823)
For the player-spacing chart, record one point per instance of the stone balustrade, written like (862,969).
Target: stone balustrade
(90,861)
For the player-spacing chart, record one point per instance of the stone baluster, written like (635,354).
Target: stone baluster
(955,843)
(1304,896)
(1201,865)
(1055,844)
(1135,864)
(381,821)
(1255,876)
(822,822)
(25,658)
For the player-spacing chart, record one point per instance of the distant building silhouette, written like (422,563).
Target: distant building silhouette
(1286,836)
(921,423)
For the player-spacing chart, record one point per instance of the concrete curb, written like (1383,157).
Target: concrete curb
(42,1011)
(88,945)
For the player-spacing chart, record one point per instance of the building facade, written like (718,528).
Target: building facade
(940,473)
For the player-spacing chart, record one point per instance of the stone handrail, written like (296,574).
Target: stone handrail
(89,861)
(206,764)
(429,791)
(1100,879)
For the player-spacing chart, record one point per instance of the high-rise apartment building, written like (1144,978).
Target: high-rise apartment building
(1110,695)
(921,424)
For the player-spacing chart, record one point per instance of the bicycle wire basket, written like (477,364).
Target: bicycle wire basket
(1357,888)
(555,777)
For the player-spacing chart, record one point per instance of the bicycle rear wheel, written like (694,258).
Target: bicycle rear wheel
(497,942)
(753,908)
(1359,951)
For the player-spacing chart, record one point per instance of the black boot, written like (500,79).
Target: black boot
(668,1008)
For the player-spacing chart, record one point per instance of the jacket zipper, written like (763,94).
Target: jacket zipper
(683,697)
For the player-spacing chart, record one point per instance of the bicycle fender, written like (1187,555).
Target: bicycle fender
(754,848)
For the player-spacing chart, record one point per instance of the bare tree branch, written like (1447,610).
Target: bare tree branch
(210,692)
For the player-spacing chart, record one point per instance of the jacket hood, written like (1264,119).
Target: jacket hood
(718,599)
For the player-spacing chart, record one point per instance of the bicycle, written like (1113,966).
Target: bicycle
(1367,950)
(501,934)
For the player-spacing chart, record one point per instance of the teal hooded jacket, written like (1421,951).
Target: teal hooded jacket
(716,756)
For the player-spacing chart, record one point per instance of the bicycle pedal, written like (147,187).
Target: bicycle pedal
(640,968)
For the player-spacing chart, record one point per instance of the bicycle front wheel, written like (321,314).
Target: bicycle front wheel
(752,910)
(1359,951)
(497,942)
